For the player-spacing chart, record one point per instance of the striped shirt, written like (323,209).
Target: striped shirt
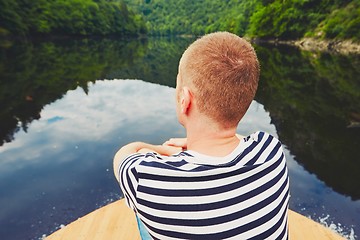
(193,196)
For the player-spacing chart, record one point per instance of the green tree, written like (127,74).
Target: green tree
(69,17)
(268,19)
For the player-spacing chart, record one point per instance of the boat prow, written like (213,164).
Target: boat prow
(117,221)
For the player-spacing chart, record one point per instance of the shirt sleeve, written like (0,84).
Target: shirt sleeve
(128,178)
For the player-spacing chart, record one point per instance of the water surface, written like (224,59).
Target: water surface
(67,106)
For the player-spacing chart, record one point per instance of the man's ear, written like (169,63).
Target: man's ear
(186,100)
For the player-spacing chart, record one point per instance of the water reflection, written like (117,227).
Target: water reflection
(64,156)
(314,101)
(35,74)
(61,169)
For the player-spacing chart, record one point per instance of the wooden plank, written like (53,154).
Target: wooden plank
(117,221)
(301,227)
(114,221)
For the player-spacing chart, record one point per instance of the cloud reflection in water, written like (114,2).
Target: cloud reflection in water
(70,150)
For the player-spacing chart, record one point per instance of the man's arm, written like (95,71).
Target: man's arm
(141,147)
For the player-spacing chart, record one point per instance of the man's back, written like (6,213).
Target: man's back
(191,196)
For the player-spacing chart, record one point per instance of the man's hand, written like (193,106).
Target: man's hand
(177,142)
(162,150)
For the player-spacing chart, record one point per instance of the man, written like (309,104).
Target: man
(214,184)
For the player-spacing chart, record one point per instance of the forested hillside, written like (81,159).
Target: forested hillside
(265,19)
(268,19)
(68,17)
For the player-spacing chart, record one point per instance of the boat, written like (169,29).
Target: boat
(117,221)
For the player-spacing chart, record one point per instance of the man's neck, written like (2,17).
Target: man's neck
(211,140)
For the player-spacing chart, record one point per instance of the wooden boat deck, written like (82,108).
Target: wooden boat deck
(117,221)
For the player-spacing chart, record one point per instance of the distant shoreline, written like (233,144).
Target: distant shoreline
(344,47)
(312,44)
(336,46)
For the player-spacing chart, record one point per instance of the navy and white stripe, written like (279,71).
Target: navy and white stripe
(191,196)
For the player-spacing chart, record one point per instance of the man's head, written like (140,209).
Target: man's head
(222,71)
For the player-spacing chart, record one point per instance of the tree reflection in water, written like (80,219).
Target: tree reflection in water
(314,102)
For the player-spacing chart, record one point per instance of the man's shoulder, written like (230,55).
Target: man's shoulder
(260,136)
(153,159)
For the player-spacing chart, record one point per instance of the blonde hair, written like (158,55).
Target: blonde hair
(224,72)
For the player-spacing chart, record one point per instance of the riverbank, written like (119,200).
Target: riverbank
(335,46)
(312,44)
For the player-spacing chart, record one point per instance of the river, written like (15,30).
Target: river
(67,105)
